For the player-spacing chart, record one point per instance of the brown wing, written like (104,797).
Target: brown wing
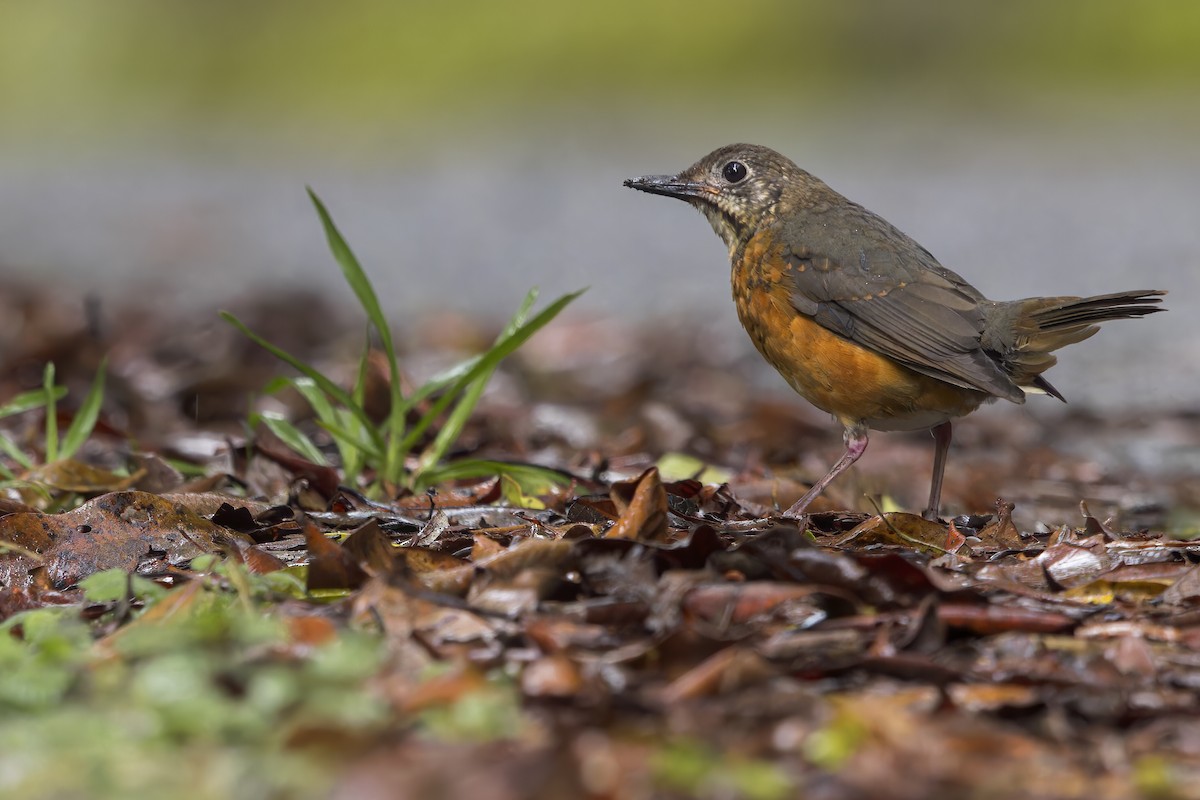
(863,279)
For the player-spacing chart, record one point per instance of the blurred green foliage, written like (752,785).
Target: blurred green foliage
(213,698)
(688,766)
(219,679)
(142,63)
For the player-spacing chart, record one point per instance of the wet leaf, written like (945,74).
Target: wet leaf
(679,466)
(440,572)
(1001,533)
(330,566)
(898,528)
(727,670)
(513,582)
(1070,565)
(552,676)
(642,505)
(117,530)
(75,476)
(371,548)
(1185,590)
(988,619)
(736,603)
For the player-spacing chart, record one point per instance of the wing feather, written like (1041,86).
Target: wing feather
(880,289)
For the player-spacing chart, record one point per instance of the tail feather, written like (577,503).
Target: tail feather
(1068,312)
(1041,325)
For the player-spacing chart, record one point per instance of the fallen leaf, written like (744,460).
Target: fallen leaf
(1001,533)
(74,476)
(551,676)
(642,504)
(897,528)
(727,670)
(330,566)
(113,530)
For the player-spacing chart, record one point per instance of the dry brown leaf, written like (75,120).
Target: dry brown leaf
(330,566)
(725,671)
(739,602)
(642,504)
(371,548)
(113,530)
(898,528)
(69,475)
(551,676)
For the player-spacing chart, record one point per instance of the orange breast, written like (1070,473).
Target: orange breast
(851,382)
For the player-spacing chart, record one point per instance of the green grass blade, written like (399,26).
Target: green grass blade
(356,277)
(462,369)
(475,387)
(532,478)
(452,428)
(353,446)
(187,468)
(361,285)
(37,488)
(469,388)
(315,397)
(12,451)
(28,401)
(348,434)
(85,419)
(360,380)
(51,443)
(514,335)
(294,438)
(354,458)
(521,314)
(441,381)
(278,384)
(329,387)
(449,376)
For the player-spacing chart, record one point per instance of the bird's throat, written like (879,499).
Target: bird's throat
(732,232)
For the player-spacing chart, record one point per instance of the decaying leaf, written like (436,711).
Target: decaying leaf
(898,528)
(69,475)
(1001,533)
(513,582)
(330,566)
(642,505)
(121,530)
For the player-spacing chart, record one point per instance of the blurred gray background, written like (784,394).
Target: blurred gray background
(470,150)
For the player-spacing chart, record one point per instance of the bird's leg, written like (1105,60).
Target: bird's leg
(941,444)
(855,438)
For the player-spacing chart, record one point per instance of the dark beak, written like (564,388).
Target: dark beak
(670,185)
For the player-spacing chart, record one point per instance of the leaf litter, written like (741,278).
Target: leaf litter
(215,607)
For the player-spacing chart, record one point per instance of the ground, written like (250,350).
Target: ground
(204,612)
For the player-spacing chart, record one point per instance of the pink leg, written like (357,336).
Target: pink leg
(856,444)
(941,444)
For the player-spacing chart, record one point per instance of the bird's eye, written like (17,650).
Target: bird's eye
(734,171)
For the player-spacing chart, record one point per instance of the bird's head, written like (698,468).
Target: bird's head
(737,187)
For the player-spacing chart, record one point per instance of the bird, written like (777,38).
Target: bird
(861,320)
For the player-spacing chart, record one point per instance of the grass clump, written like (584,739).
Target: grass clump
(385,455)
(56,446)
